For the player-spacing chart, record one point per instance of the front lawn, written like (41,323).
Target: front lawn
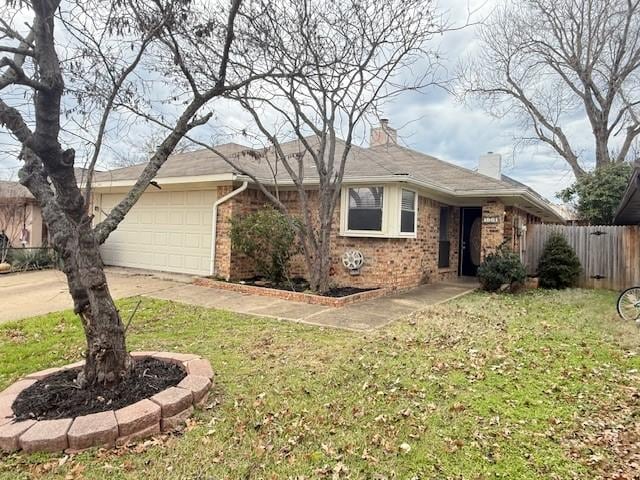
(538,385)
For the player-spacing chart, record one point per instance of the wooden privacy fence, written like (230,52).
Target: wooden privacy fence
(610,255)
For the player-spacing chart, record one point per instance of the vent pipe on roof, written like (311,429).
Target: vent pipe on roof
(490,165)
(384,134)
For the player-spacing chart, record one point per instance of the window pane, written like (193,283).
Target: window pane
(408,212)
(444,224)
(407,222)
(408,200)
(365,208)
(443,254)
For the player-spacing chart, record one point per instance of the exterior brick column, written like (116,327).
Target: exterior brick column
(492,233)
(222,267)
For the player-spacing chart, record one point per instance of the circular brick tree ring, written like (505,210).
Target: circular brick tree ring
(163,412)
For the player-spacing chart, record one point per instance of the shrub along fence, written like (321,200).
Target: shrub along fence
(24,259)
(610,255)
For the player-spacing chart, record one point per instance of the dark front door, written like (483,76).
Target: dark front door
(470,234)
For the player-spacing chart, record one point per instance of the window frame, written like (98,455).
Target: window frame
(415,213)
(391,211)
(365,233)
(441,265)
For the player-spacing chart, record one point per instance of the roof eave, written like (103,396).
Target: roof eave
(630,191)
(222,177)
(434,187)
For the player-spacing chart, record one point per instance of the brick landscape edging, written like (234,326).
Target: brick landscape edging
(163,412)
(294,296)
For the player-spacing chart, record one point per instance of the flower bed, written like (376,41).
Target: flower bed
(165,411)
(294,296)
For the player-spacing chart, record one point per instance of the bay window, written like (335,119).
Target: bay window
(384,211)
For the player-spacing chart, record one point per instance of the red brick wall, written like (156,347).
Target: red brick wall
(398,262)
(493,234)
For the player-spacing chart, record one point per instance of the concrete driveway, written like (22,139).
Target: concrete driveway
(27,294)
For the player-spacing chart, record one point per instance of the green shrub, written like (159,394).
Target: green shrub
(596,195)
(268,237)
(559,265)
(502,267)
(31,258)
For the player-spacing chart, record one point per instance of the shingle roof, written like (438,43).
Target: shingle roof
(388,161)
(382,161)
(187,164)
(14,190)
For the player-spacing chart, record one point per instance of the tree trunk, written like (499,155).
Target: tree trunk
(602,148)
(320,275)
(106,357)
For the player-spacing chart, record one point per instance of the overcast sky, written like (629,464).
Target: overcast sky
(434,122)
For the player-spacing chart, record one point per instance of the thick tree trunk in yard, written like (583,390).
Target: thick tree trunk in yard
(107,359)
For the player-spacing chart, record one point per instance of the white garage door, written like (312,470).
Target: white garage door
(168,231)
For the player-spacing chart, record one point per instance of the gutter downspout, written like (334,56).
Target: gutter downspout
(214,220)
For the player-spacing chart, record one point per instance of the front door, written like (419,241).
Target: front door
(470,235)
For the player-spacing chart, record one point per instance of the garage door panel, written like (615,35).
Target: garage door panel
(161,217)
(177,198)
(160,239)
(192,218)
(168,231)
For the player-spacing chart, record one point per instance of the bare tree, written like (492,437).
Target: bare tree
(338,61)
(13,213)
(548,61)
(110,50)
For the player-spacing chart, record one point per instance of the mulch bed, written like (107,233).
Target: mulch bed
(58,396)
(300,285)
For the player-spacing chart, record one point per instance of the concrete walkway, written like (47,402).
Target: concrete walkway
(366,315)
(29,294)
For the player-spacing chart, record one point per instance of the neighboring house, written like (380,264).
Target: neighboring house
(568,212)
(20,217)
(415,218)
(628,212)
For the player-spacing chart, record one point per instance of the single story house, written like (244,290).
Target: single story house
(21,221)
(628,212)
(415,218)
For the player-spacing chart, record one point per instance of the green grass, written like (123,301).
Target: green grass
(537,385)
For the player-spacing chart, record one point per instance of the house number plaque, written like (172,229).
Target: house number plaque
(491,219)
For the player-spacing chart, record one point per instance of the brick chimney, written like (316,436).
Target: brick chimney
(384,134)
(491,165)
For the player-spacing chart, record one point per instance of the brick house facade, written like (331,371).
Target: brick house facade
(415,218)
(390,262)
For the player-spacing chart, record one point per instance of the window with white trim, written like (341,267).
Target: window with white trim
(365,209)
(408,211)
(384,211)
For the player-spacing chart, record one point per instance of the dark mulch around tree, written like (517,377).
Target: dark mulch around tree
(300,285)
(58,395)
